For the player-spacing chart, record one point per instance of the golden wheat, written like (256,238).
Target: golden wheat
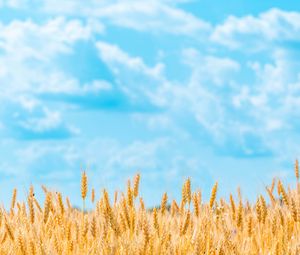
(125,225)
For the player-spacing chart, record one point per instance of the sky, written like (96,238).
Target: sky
(170,89)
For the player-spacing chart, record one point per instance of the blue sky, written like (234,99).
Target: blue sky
(170,89)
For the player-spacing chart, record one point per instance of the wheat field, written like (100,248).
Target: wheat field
(123,224)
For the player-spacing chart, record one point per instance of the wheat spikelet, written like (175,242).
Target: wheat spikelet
(293,209)
(164,202)
(68,203)
(281,217)
(106,200)
(249,226)
(3,239)
(44,188)
(258,210)
(136,185)
(31,209)
(232,204)
(23,210)
(19,207)
(185,224)
(196,205)
(199,197)
(93,228)
(240,215)
(239,194)
(132,220)
(84,190)
(30,204)
(57,246)
(84,228)
(32,248)
(13,200)
(263,208)
(21,245)
(188,190)
(125,212)
(184,195)
(142,204)
(155,221)
(68,231)
(174,208)
(283,193)
(277,249)
(84,185)
(109,214)
(115,197)
(41,246)
(272,185)
(9,231)
(271,196)
(213,195)
(93,195)
(47,207)
(123,223)
(70,247)
(129,194)
(37,205)
(60,202)
(145,229)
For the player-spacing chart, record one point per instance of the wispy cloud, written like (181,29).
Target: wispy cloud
(158,17)
(128,70)
(42,41)
(257,32)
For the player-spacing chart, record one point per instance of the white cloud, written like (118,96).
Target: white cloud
(270,26)
(17,3)
(135,78)
(95,86)
(200,97)
(27,102)
(13,3)
(26,39)
(25,117)
(20,81)
(211,97)
(49,121)
(249,116)
(217,70)
(28,52)
(154,16)
(60,83)
(197,97)
(113,55)
(156,122)
(145,16)
(271,100)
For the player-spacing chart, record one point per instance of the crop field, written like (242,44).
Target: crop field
(122,224)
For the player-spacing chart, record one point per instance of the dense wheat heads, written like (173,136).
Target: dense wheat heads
(122,224)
